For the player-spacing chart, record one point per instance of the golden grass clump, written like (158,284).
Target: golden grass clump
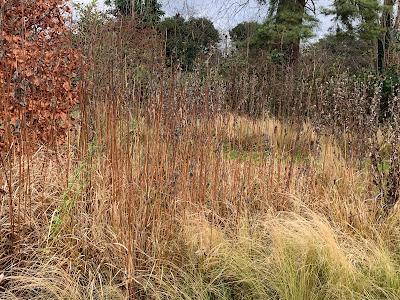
(147,212)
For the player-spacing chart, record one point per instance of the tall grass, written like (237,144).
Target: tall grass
(182,186)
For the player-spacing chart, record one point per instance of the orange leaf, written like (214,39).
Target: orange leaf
(67,86)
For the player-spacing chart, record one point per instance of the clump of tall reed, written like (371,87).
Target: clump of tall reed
(180,186)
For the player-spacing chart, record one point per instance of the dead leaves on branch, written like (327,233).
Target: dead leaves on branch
(39,71)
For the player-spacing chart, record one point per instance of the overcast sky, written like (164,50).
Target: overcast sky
(226,13)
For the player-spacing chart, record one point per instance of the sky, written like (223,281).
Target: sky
(226,14)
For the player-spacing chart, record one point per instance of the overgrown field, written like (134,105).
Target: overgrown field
(175,185)
(196,207)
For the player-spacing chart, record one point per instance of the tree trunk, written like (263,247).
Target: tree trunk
(384,55)
(133,12)
(384,40)
(290,14)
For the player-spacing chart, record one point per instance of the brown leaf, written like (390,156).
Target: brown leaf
(67,86)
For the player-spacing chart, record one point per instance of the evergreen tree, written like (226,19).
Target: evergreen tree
(370,21)
(358,18)
(187,39)
(288,22)
(366,20)
(242,33)
(146,11)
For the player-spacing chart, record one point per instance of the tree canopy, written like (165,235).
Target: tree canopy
(287,23)
(356,17)
(243,32)
(147,11)
(187,39)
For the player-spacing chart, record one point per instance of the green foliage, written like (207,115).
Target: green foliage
(147,12)
(287,24)
(390,82)
(243,32)
(276,37)
(291,27)
(387,85)
(187,39)
(357,17)
(341,48)
(245,155)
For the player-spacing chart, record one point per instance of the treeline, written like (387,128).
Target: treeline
(365,32)
(363,43)
(185,40)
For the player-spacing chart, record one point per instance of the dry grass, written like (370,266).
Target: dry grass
(166,190)
(153,209)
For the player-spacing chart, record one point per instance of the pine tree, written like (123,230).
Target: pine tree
(288,22)
(358,18)
(290,16)
(146,11)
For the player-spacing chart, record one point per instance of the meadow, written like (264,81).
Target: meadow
(202,185)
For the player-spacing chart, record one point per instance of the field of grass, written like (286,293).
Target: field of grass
(277,185)
(197,207)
